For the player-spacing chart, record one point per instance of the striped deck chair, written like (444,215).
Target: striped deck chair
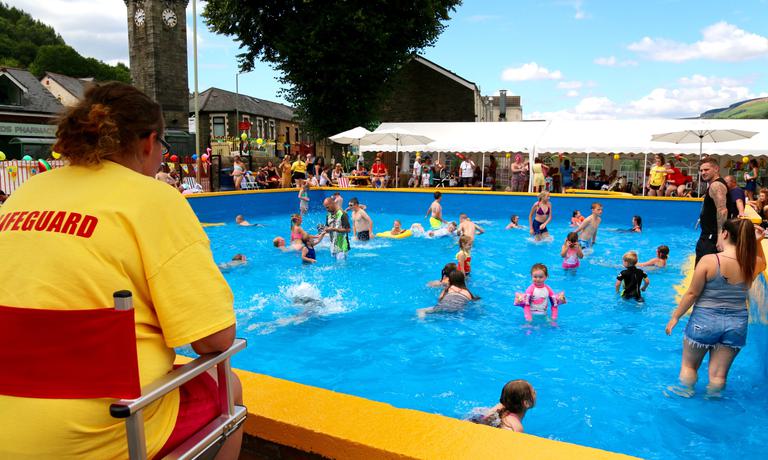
(249,182)
(192,184)
(343,182)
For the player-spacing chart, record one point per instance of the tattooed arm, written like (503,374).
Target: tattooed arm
(718,192)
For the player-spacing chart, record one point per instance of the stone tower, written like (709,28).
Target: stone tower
(157,38)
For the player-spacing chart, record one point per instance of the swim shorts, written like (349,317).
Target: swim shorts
(435,223)
(365,235)
(537,230)
(709,327)
(585,244)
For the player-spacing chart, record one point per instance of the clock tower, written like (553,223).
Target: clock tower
(157,38)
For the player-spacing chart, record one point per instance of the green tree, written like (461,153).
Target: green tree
(21,35)
(336,58)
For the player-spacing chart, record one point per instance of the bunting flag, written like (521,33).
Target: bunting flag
(185,168)
(172,166)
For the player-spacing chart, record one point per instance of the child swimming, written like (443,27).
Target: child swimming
(396,228)
(538,294)
(660,261)
(632,277)
(443,281)
(237,261)
(464,256)
(514,222)
(517,397)
(571,251)
(576,218)
(453,298)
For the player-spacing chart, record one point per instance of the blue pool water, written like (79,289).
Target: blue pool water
(601,374)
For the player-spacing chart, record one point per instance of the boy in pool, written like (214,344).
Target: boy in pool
(449,229)
(362,224)
(660,261)
(237,261)
(468,228)
(588,229)
(632,277)
(279,243)
(514,222)
(240,220)
(435,212)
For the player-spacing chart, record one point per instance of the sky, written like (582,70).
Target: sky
(567,59)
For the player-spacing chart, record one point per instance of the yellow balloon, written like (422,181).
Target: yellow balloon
(259,141)
(745,160)
(243,136)
(2,156)
(509,155)
(55,155)
(615,156)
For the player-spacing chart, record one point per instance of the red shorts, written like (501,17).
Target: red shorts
(198,406)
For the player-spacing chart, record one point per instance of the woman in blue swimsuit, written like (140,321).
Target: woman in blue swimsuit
(540,216)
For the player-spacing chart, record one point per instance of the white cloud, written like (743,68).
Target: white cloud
(578,10)
(720,42)
(570,85)
(572,93)
(690,97)
(530,71)
(611,61)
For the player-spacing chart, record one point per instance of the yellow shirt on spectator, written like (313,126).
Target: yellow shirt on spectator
(299,166)
(658,174)
(78,235)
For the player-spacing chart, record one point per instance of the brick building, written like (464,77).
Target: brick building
(425,91)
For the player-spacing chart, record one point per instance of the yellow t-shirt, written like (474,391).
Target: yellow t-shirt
(299,167)
(69,239)
(658,174)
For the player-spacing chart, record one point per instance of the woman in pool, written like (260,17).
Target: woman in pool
(637,225)
(660,261)
(443,281)
(453,298)
(517,397)
(540,216)
(718,294)
(464,256)
(571,251)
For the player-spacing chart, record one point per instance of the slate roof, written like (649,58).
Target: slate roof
(219,100)
(37,99)
(75,86)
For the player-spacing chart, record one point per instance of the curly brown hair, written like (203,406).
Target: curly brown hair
(109,119)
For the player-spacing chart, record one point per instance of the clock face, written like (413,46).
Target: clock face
(138,17)
(169,17)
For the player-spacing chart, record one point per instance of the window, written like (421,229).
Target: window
(259,127)
(298,139)
(287,134)
(271,133)
(10,94)
(219,125)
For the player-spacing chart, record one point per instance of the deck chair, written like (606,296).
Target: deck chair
(193,184)
(442,179)
(104,364)
(343,182)
(249,182)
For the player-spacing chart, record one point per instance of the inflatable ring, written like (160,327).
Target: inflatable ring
(43,165)
(211,224)
(399,236)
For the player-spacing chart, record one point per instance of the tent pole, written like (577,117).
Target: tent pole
(531,159)
(397,163)
(698,168)
(586,173)
(645,165)
(482,172)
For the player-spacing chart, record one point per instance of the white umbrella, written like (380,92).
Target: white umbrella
(700,136)
(398,137)
(351,136)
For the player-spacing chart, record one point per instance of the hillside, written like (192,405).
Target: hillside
(752,108)
(29,44)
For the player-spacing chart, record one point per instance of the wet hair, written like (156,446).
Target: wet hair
(573,237)
(513,217)
(741,233)
(575,212)
(464,240)
(109,120)
(596,205)
(459,279)
(462,216)
(542,195)
(630,257)
(353,201)
(449,267)
(540,266)
(639,221)
(238,257)
(517,396)
(437,195)
(307,239)
(277,240)
(663,252)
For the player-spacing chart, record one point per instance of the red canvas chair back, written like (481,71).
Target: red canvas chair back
(68,354)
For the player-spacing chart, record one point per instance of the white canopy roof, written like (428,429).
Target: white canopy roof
(577,136)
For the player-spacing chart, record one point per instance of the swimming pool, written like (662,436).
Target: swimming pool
(600,375)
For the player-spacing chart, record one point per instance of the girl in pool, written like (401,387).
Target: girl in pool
(308,251)
(637,225)
(297,233)
(514,222)
(571,251)
(453,298)
(718,294)
(517,397)
(540,216)
(464,256)
(660,261)
(304,198)
(443,281)
(576,218)
(538,295)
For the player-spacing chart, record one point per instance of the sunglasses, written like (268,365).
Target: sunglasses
(166,146)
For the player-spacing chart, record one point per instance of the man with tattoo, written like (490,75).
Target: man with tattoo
(714,209)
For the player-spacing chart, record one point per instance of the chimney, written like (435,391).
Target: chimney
(503,105)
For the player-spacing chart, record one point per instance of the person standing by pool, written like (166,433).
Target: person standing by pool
(337,228)
(435,212)
(467,169)
(285,171)
(299,170)
(362,224)
(566,175)
(738,198)
(714,208)
(238,172)
(588,229)
(718,294)
(379,173)
(750,177)
(540,216)
(539,170)
(95,241)
(517,170)
(658,177)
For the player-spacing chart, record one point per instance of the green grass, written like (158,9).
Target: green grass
(757,108)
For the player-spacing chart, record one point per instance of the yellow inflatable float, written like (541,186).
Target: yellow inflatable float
(399,236)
